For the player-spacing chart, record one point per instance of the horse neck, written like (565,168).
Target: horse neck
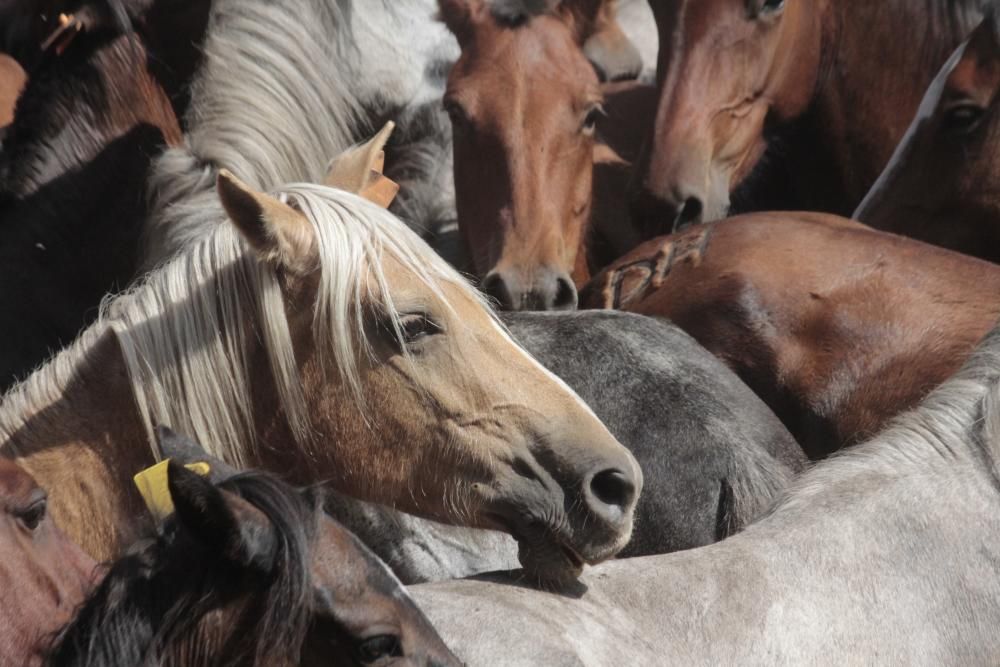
(73,425)
(862,128)
(81,105)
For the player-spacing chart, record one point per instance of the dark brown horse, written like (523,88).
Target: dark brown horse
(252,572)
(792,104)
(525,105)
(43,575)
(943,182)
(73,172)
(836,326)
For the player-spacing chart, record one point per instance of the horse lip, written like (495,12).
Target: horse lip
(509,525)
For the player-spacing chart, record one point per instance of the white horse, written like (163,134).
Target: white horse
(887,554)
(286,84)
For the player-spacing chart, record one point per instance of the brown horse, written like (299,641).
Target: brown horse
(317,322)
(247,571)
(836,326)
(943,182)
(12,80)
(43,575)
(799,102)
(525,104)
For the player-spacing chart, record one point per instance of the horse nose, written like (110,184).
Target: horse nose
(550,290)
(667,214)
(611,494)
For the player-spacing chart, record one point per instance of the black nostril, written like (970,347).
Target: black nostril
(689,214)
(495,286)
(566,296)
(613,487)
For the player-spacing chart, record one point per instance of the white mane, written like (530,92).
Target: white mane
(285,86)
(186,329)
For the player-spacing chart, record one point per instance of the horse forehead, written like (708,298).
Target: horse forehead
(542,49)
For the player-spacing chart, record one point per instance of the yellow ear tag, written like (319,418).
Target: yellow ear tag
(155,490)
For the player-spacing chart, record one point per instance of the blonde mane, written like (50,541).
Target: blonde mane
(186,329)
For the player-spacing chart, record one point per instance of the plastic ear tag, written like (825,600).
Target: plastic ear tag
(155,490)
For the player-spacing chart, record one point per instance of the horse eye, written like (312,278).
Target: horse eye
(459,118)
(416,327)
(33,515)
(591,119)
(765,7)
(963,118)
(381,646)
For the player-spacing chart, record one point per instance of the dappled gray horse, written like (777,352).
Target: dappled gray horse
(888,553)
(713,455)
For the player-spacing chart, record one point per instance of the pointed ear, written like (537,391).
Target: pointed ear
(277,232)
(227,526)
(184,450)
(359,170)
(460,16)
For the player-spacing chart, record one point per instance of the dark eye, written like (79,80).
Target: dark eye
(33,515)
(963,118)
(760,8)
(375,648)
(591,119)
(459,118)
(416,327)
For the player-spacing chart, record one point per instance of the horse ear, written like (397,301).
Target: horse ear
(224,524)
(460,16)
(359,170)
(184,450)
(278,233)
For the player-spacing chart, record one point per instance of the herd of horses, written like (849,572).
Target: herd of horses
(275,392)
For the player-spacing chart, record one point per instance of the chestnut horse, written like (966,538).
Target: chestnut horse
(12,80)
(43,575)
(796,103)
(836,326)
(321,324)
(943,182)
(525,105)
(247,571)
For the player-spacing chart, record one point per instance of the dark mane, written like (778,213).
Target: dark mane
(155,598)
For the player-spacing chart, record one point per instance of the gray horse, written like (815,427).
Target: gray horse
(888,553)
(713,455)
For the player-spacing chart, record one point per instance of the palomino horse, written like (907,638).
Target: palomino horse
(836,326)
(777,96)
(43,576)
(251,572)
(942,185)
(525,105)
(319,323)
(886,554)
(72,172)
(713,455)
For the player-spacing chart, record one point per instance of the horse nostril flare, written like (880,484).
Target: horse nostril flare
(613,487)
(566,296)
(495,286)
(689,214)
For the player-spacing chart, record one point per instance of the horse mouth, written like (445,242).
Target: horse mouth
(543,554)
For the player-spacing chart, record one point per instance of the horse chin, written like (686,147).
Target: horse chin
(549,565)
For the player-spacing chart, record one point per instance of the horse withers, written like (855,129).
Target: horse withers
(525,106)
(769,104)
(43,575)
(247,570)
(942,184)
(836,326)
